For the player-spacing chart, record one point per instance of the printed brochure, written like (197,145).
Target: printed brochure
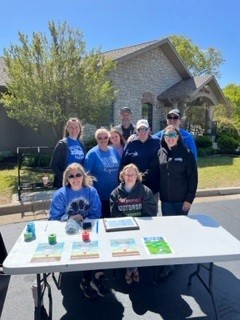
(85,250)
(124,247)
(46,252)
(156,245)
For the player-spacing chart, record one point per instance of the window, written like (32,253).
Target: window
(147,113)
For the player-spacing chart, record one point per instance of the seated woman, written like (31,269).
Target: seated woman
(132,191)
(78,199)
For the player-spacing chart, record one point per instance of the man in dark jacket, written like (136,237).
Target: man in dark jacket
(126,128)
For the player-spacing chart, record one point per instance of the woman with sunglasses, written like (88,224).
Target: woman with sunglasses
(77,200)
(173,173)
(103,162)
(176,169)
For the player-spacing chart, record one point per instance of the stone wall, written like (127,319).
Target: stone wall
(150,72)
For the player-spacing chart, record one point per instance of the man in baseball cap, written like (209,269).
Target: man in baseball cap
(126,128)
(174,118)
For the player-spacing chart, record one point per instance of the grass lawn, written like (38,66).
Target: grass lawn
(214,172)
(218,172)
(9,182)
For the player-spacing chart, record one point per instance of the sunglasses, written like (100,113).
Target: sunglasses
(142,129)
(77,175)
(171,135)
(172,117)
(103,138)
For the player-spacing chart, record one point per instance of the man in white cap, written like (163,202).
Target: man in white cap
(126,128)
(174,118)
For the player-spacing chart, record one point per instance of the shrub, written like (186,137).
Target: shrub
(203,152)
(227,144)
(36,160)
(90,143)
(228,128)
(203,142)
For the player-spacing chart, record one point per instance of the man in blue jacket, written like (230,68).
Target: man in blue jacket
(174,118)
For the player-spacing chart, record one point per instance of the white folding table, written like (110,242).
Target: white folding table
(193,239)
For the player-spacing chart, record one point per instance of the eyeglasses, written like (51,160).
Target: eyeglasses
(142,129)
(172,117)
(77,175)
(171,135)
(103,138)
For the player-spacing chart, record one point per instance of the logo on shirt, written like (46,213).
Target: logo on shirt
(78,206)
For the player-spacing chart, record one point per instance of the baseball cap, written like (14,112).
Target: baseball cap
(176,112)
(142,123)
(126,109)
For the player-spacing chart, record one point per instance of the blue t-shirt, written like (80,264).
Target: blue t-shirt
(75,151)
(104,166)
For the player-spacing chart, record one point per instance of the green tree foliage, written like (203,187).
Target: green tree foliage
(54,78)
(199,62)
(227,127)
(232,92)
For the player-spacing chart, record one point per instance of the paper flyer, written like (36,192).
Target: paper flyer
(46,252)
(124,247)
(156,245)
(84,250)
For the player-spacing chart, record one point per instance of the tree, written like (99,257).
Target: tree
(52,79)
(232,92)
(199,62)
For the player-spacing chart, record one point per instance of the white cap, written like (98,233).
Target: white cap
(142,123)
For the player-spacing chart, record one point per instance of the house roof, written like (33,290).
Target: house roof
(183,89)
(187,87)
(123,54)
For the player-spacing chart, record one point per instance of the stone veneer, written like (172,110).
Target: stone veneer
(150,72)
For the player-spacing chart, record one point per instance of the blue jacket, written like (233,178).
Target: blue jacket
(139,153)
(187,140)
(67,202)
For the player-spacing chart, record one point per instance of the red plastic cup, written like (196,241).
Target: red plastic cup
(86,235)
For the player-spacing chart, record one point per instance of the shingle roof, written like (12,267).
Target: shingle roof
(122,52)
(187,87)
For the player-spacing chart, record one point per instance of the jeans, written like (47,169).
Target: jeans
(172,209)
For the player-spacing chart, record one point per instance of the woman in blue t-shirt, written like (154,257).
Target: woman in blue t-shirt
(103,162)
(68,150)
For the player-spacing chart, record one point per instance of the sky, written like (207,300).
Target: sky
(112,24)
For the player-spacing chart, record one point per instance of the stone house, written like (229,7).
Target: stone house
(150,78)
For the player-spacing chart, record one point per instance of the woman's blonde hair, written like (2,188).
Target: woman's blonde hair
(87,179)
(71,120)
(101,130)
(133,167)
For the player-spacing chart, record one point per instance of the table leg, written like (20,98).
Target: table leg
(208,285)
(39,297)
(40,294)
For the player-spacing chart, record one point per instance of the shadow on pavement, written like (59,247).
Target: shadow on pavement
(78,307)
(4,283)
